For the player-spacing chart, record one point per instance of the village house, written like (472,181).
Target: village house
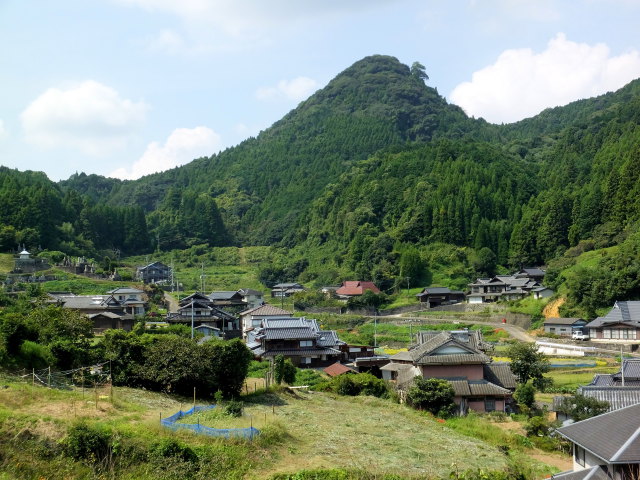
(432,297)
(252,318)
(604,447)
(458,357)
(156,272)
(298,339)
(105,311)
(620,325)
(563,326)
(521,284)
(199,310)
(283,290)
(355,288)
(132,299)
(251,298)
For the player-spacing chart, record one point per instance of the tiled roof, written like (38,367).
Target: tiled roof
(224,295)
(356,288)
(337,369)
(455,359)
(266,310)
(303,352)
(562,321)
(500,373)
(249,291)
(483,387)
(104,314)
(617,397)
(593,473)
(299,333)
(123,291)
(285,322)
(613,436)
(427,353)
(328,338)
(627,313)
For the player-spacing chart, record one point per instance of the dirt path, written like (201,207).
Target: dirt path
(513,330)
(172,303)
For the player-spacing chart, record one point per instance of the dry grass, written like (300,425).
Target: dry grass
(328,431)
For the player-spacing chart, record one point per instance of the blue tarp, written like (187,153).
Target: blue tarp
(170,422)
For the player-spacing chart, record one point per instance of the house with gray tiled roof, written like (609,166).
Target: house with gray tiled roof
(620,325)
(521,284)
(460,358)
(105,311)
(200,310)
(252,318)
(604,447)
(298,338)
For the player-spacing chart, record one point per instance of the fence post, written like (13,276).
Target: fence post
(33,377)
(49,377)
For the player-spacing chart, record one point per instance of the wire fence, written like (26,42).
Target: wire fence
(97,375)
(170,422)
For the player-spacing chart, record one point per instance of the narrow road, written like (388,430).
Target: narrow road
(513,330)
(172,303)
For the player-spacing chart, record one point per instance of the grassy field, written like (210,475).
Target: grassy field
(301,430)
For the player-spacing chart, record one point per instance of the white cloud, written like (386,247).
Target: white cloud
(297,89)
(89,117)
(521,83)
(182,146)
(168,41)
(230,24)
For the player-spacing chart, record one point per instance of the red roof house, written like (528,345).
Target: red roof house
(354,288)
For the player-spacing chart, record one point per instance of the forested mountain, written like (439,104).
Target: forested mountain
(372,166)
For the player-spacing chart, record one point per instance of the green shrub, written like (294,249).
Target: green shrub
(86,442)
(233,408)
(170,447)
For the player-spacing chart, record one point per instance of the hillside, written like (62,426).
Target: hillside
(371,169)
(116,434)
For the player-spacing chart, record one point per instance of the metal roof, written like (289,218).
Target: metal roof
(614,436)
(593,473)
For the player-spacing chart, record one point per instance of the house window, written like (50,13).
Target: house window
(489,404)
(578,455)
(593,333)
(306,343)
(305,360)
(552,329)
(606,333)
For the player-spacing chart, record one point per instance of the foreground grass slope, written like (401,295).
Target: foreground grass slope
(301,431)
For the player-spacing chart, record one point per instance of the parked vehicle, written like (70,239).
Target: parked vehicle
(579,335)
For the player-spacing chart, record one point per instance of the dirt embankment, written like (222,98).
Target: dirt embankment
(552,310)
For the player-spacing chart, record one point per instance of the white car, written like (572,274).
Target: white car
(579,335)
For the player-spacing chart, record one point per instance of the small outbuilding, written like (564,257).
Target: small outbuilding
(563,326)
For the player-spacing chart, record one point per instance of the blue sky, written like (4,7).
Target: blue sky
(127,87)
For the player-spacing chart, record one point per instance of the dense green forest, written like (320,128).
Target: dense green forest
(363,179)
